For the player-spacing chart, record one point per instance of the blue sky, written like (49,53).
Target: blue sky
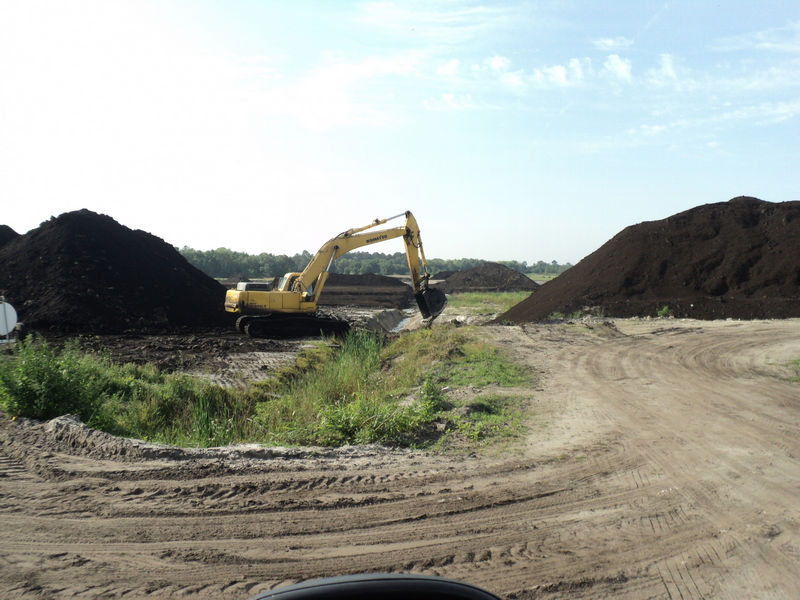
(513,130)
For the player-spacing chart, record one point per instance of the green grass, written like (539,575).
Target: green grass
(491,415)
(541,278)
(41,382)
(484,303)
(665,312)
(795,364)
(363,389)
(371,392)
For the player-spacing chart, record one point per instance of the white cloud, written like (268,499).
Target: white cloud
(618,67)
(573,73)
(325,99)
(450,101)
(607,44)
(499,63)
(667,66)
(576,68)
(777,39)
(556,75)
(665,74)
(653,129)
(769,112)
(448,23)
(450,68)
(513,81)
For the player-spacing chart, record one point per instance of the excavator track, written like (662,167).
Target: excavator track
(279,326)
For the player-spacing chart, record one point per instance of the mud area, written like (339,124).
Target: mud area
(660,462)
(223,354)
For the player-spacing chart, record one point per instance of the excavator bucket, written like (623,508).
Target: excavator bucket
(431,302)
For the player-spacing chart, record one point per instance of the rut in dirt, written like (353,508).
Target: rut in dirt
(665,470)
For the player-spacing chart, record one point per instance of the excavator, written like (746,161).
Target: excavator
(289,309)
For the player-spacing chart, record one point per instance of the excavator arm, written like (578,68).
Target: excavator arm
(298,293)
(312,280)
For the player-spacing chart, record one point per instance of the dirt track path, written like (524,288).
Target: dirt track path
(662,462)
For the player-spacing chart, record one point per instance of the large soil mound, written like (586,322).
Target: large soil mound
(6,235)
(84,272)
(366,290)
(738,259)
(488,277)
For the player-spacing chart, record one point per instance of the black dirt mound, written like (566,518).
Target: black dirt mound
(738,259)
(366,290)
(84,272)
(6,235)
(443,274)
(488,277)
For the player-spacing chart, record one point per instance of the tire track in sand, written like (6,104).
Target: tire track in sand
(660,463)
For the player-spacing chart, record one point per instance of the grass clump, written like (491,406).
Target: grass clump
(376,390)
(482,364)
(362,389)
(41,382)
(485,303)
(665,312)
(795,364)
(490,415)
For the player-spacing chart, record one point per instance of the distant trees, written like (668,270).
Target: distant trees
(223,263)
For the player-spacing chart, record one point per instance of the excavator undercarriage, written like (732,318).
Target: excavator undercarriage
(278,325)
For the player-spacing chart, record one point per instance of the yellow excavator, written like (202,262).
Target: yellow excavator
(290,308)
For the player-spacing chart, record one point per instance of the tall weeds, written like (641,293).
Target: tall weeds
(362,390)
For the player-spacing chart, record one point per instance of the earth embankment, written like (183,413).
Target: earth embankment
(736,259)
(488,277)
(83,272)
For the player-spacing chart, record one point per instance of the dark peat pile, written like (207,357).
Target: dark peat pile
(488,277)
(83,272)
(735,259)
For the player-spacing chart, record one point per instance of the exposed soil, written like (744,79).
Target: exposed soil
(366,290)
(84,272)
(6,235)
(738,259)
(488,277)
(443,274)
(661,462)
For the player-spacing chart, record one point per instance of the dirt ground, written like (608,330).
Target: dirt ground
(661,462)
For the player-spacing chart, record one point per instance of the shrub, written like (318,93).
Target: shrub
(42,383)
(665,311)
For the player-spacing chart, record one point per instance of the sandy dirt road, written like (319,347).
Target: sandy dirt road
(661,462)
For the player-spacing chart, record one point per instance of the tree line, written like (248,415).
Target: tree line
(224,263)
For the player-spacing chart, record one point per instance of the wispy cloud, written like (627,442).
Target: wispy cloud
(608,44)
(707,123)
(451,101)
(434,22)
(326,98)
(450,68)
(513,81)
(498,63)
(665,73)
(572,73)
(776,39)
(618,67)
